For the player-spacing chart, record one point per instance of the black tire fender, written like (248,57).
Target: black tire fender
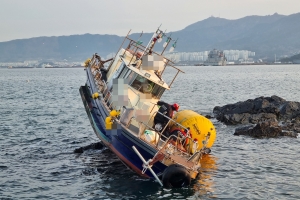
(176,176)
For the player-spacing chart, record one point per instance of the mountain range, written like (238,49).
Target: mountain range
(265,35)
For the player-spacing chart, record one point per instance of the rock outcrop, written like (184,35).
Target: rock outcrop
(265,112)
(97,145)
(267,129)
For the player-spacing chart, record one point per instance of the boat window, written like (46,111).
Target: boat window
(127,73)
(119,70)
(158,91)
(131,77)
(146,86)
(123,73)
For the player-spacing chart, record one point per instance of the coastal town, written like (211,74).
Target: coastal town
(209,58)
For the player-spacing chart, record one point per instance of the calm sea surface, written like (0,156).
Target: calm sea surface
(42,121)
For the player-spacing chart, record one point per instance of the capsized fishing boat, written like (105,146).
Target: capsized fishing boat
(120,97)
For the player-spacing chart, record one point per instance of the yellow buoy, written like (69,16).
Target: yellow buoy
(95,95)
(87,62)
(201,128)
(114,113)
(108,123)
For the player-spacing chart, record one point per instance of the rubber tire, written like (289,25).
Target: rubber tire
(176,176)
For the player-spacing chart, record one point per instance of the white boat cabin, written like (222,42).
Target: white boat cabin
(135,88)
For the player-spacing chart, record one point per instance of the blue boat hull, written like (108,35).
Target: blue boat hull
(119,140)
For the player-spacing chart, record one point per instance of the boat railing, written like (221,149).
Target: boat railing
(106,94)
(103,89)
(97,77)
(161,143)
(107,97)
(196,156)
(110,105)
(126,118)
(134,47)
(165,127)
(189,157)
(177,140)
(152,129)
(94,62)
(170,119)
(171,145)
(98,63)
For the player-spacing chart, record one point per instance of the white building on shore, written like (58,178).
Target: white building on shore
(231,56)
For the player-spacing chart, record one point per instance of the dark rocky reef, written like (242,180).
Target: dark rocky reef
(268,129)
(97,145)
(273,116)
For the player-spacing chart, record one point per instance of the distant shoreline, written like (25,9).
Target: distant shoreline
(40,67)
(181,65)
(239,64)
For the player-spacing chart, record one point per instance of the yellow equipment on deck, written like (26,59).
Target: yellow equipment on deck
(95,95)
(201,128)
(87,62)
(110,119)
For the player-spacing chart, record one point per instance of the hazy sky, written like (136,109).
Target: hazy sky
(33,18)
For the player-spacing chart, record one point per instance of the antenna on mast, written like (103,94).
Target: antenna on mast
(156,37)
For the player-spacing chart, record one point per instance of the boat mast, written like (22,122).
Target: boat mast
(122,43)
(156,36)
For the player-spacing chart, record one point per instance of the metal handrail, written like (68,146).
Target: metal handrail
(134,46)
(170,119)
(176,147)
(104,87)
(167,118)
(167,138)
(97,72)
(108,93)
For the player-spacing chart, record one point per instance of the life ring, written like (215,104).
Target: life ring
(176,176)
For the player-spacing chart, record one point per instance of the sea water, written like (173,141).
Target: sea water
(42,121)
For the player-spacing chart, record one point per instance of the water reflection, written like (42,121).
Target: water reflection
(106,176)
(204,185)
